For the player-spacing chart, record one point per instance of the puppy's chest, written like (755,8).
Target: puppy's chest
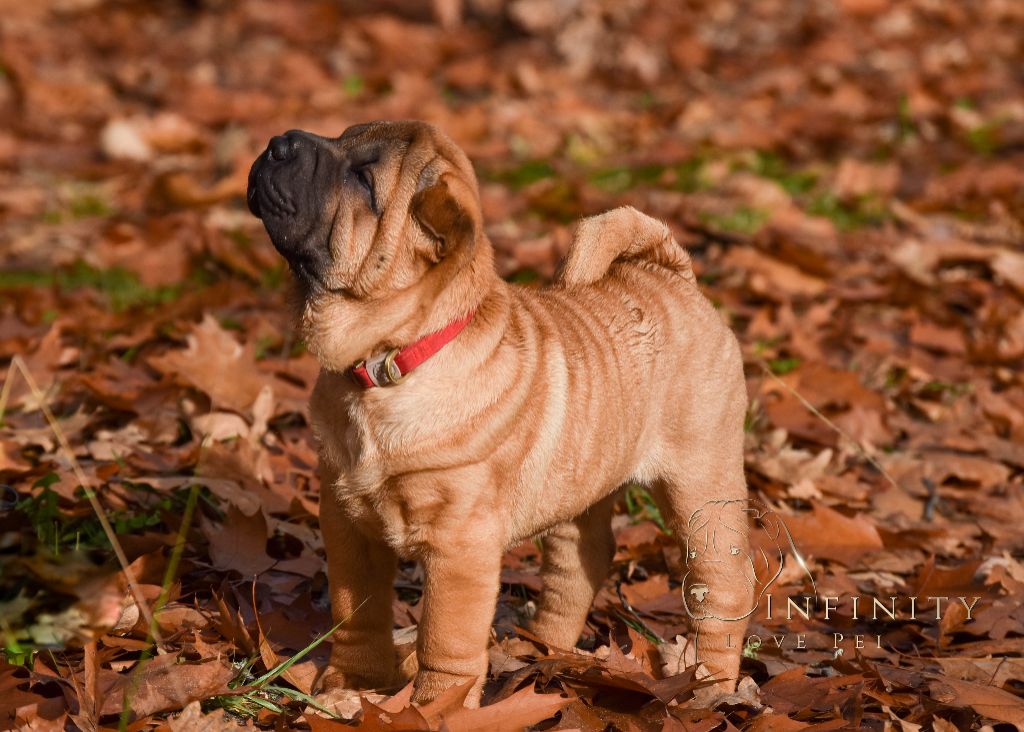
(365,487)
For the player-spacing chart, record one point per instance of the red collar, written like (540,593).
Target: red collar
(390,368)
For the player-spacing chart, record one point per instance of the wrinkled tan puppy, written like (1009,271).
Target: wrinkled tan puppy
(459,414)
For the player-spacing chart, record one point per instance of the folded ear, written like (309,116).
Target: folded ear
(448,211)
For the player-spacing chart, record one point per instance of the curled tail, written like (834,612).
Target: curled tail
(622,234)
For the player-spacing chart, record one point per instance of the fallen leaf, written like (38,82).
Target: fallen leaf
(993,672)
(824,533)
(192,719)
(985,700)
(216,364)
(165,684)
(524,708)
(771,277)
(239,543)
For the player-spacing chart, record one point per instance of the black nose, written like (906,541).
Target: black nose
(281,148)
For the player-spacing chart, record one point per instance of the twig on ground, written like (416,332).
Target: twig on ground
(17,363)
(169,574)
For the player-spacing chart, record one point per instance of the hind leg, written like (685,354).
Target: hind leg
(575,562)
(704,500)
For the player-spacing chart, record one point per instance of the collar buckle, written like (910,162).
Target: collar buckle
(392,373)
(385,369)
(382,369)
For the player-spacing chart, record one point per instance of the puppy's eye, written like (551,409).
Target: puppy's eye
(364,174)
(365,177)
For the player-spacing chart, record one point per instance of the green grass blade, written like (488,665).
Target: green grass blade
(300,696)
(288,663)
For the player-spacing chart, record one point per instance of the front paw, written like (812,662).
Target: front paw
(336,680)
(431,684)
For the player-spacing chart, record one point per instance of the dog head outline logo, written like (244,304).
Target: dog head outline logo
(716,535)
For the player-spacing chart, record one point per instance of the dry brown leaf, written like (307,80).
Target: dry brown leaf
(824,533)
(192,719)
(165,684)
(524,708)
(986,671)
(985,700)
(216,364)
(239,543)
(771,277)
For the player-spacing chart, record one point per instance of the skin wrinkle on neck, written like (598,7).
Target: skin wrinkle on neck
(410,320)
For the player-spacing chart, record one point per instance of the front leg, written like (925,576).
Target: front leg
(460,594)
(360,572)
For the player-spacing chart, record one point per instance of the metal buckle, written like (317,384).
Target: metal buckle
(382,368)
(391,370)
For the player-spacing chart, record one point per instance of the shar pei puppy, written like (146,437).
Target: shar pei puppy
(459,414)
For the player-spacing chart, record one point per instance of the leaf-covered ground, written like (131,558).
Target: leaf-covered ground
(847,175)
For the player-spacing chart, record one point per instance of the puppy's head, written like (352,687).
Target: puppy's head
(369,212)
